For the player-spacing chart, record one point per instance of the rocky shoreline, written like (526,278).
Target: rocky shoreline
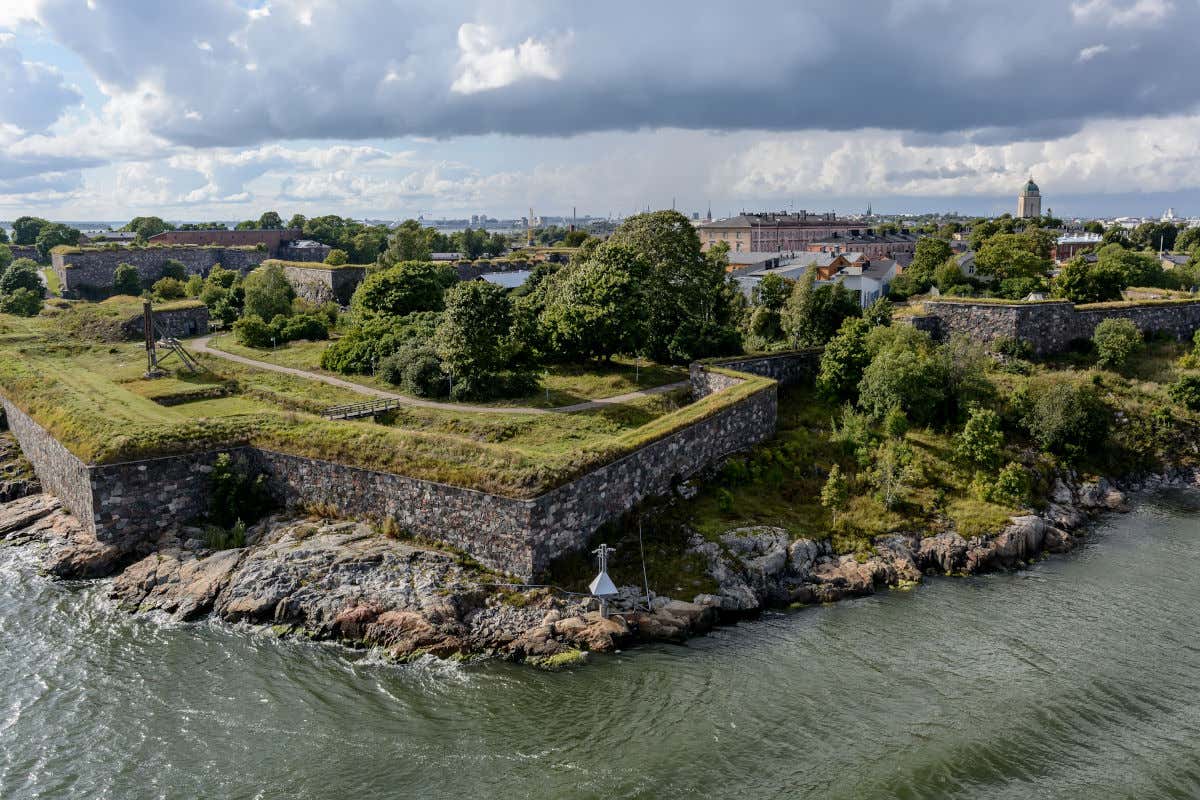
(346,582)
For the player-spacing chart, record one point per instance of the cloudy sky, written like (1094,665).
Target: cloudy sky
(219,109)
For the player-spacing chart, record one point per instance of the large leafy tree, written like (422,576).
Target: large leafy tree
(814,313)
(1013,255)
(471,337)
(53,235)
(409,242)
(404,288)
(930,254)
(268,293)
(691,304)
(1081,282)
(270,221)
(145,227)
(26,229)
(126,280)
(1135,269)
(599,307)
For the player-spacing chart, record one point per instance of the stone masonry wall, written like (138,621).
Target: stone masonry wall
(179,323)
(323,285)
(788,368)
(60,472)
(90,272)
(133,501)
(1051,327)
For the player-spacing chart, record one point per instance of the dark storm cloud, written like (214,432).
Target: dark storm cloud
(351,70)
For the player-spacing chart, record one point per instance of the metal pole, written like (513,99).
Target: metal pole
(645,577)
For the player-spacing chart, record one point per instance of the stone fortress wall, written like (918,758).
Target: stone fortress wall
(1051,327)
(89,272)
(134,501)
(175,322)
(322,284)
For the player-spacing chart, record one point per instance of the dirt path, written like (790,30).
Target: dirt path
(201,346)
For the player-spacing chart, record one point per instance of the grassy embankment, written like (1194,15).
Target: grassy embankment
(779,482)
(90,394)
(567,384)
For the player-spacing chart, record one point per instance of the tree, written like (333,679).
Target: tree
(836,492)
(891,472)
(146,227)
(1081,282)
(1187,240)
(879,313)
(26,229)
(1093,226)
(404,288)
(1116,341)
(21,274)
(949,275)
(844,359)
(297,222)
(22,303)
(903,373)
(6,258)
(337,258)
(3,236)
(471,243)
(127,280)
(268,292)
(1135,269)
(270,221)
(1116,235)
(980,441)
(1154,236)
(813,313)
(930,254)
(574,238)
(599,307)
(690,312)
(496,245)
(172,268)
(773,291)
(53,235)
(1011,255)
(470,338)
(408,243)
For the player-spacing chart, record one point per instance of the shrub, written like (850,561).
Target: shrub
(127,280)
(854,434)
(905,378)
(195,284)
(1009,488)
(236,496)
(1186,391)
(1066,418)
(844,359)
(892,473)
(724,501)
(22,303)
(895,424)
(1012,347)
(980,441)
(218,538)
(252,331)
(301,326)
(1116,340)
(417,370)
(169,289)
(173,269)
(836,491)
(337,258)
(268,292)
(21,274)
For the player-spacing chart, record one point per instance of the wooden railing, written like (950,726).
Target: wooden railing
(365,409)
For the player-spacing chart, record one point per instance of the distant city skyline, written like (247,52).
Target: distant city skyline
(222,109)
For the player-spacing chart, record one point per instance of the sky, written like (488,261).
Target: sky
(218,109)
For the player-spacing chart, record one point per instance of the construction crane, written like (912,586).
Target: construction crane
(529,228)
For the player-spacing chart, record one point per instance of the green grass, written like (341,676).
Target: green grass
(93,398)
(567,383)
(53,285)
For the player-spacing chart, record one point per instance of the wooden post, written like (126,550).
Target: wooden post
(148,330)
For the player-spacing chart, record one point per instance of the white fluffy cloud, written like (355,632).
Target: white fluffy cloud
(485,64)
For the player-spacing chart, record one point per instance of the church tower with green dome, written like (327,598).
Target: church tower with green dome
(1029,201)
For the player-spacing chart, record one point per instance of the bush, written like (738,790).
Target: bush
(195,285)
(1186,392)
(337,258)
(1116,340)
(169,289)
(301,326)
(22,303)
(21,274)
(980,441)
(1012,347)
(127,280)
(417,370)
(895,424)
(267,292)
(1009,488)
(237,497)
(1066,418)
(252,331)
(173,269)
(363,347)
(844,359)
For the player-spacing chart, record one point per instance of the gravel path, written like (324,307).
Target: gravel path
(201,345)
